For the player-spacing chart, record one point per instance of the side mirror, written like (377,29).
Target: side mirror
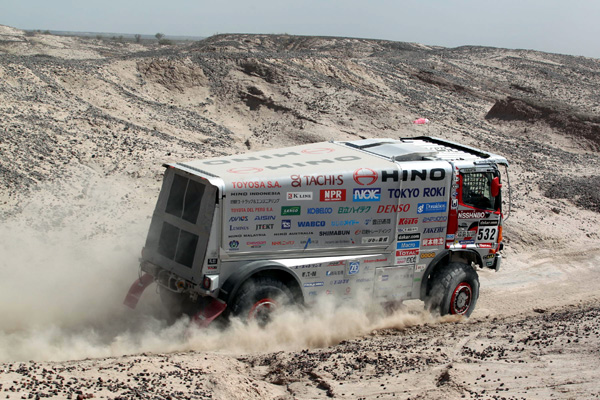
(496,185)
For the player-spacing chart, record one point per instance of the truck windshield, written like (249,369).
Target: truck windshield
(476,190)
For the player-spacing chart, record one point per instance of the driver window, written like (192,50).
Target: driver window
(476,190)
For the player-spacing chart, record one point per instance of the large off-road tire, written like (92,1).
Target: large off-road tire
(258,298)
(455,290)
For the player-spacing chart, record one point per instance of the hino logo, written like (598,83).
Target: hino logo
(434,174)
(365,176)
(366,194)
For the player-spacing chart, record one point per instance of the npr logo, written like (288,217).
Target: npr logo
(333,195)
(368,194)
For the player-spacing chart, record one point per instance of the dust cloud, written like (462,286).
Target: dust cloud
(68,257)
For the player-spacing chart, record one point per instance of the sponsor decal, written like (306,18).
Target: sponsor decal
(265,218)
(241,218)
(333,195)
(212,261)
(384,278)
(392,208)
(319,150)
(238,228)
(433,242)
(489,256)
(312,293)
(489,263)
(471,214)
(309,274)
(454,204)
(348,222)
(366,194)
(381,221)
(365,176)
(435,219)
(409,236)
(247,170)
(310,224)
(408,221)
(283,243)
(335,273)
(307,266)
(313,284)
(375,260)
(485,245)
(353,267)
(264,227)
(252,210)
(434,192)
(234,244)
(408,245)
(322,210)
(428,255)
(403,193)
(336,263)
(354,210)
(333,233)
(466,242)
(340,282)
(450,237)
(255,201)
(404,253)
(256,244)
(406,260)
(428,208)
(316,180)
(488,222)
(286,224)
(420,267)
(434,174)
(363,280)
(256,185)
(299,196)
(372,231)
(290,210)
(434,230)
(408,230)
(375,239)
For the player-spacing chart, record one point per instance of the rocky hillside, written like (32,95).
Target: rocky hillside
(73,104)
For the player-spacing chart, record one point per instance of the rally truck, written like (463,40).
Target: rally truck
(396,219)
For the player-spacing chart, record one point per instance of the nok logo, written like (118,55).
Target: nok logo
(365,176)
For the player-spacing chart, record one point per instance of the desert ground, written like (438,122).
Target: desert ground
(86,125)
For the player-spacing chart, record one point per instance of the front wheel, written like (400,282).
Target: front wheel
(455,290)
(259,298)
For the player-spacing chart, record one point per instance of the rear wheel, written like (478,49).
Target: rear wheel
(259,298)
(455,290)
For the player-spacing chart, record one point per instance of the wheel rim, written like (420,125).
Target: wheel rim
(461,299)
(262,310)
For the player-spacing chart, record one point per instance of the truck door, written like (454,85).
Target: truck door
(479,210)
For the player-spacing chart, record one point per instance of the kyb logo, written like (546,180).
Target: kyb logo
(333,195)
(365,176)
(366,194)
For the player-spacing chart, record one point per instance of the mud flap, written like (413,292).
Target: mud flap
(136,290)
(212,310)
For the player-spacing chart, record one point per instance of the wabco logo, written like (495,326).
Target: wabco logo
(365,176)
(333,195)
(366,195)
